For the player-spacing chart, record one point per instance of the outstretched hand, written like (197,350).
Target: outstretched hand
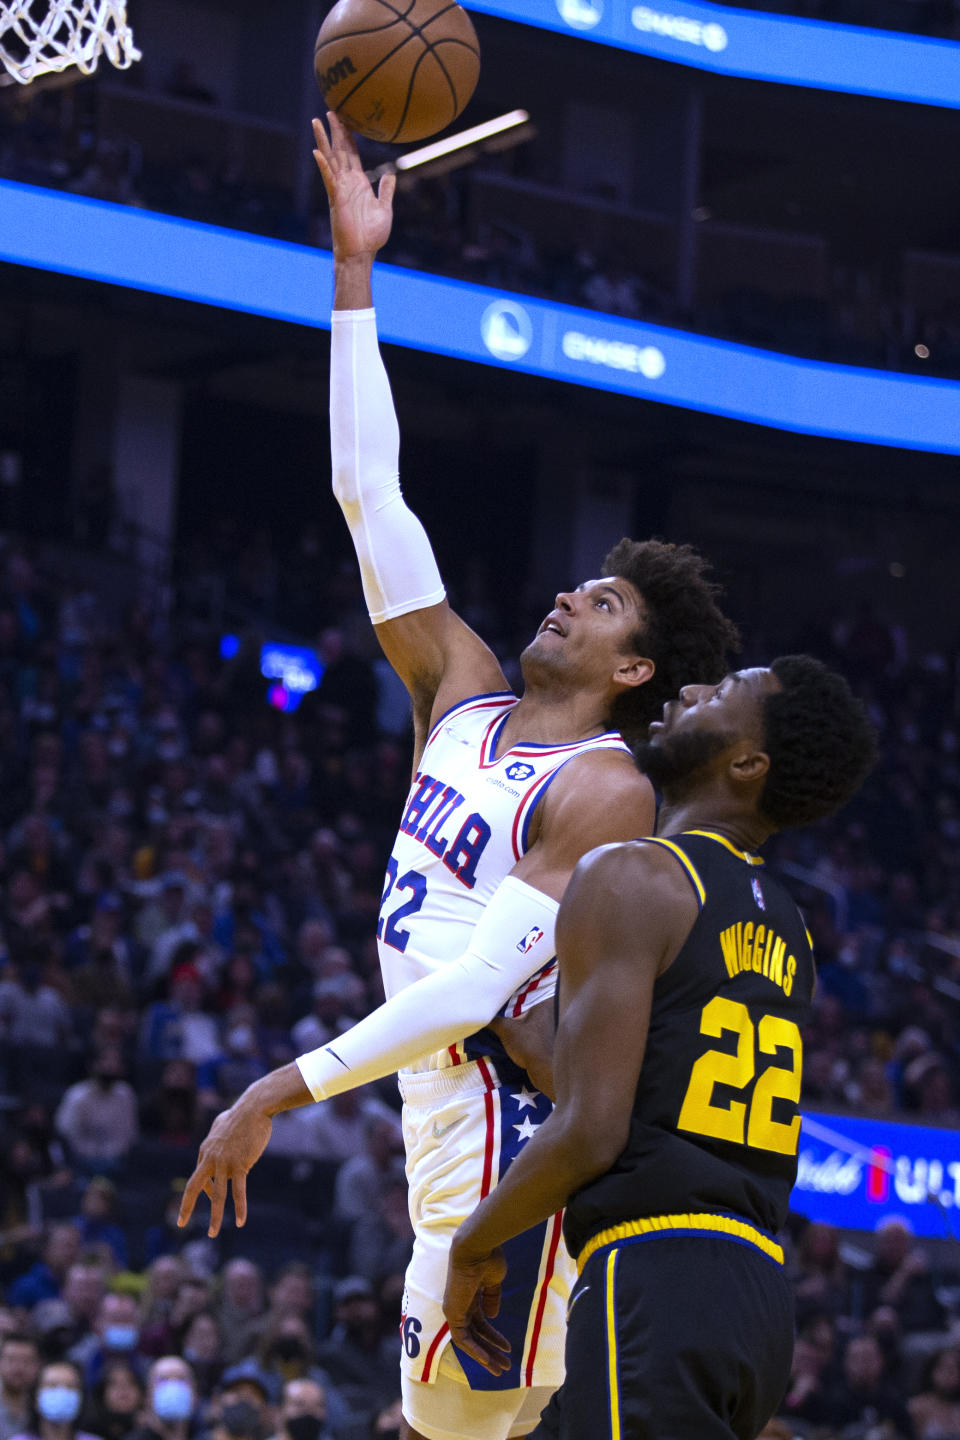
(237,1139)
(471,1299)
(360,218)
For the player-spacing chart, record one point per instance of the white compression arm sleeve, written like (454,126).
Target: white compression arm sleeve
(513,939)
(397,564)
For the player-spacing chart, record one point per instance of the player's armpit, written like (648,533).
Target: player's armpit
(440,660)
(596,799)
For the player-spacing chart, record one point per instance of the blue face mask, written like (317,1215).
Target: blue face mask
(121,1337)
(173,1400)
(59,1403)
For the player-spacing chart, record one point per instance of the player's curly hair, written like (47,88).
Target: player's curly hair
(820,741)
(685,633)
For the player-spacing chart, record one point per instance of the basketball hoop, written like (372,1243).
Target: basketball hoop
(38,37)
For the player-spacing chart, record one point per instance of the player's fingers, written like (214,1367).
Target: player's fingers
(240,1198)
(193,1189)
(490,1300)
(488,1335)
(218,1197)
(386,188)
(491,1359)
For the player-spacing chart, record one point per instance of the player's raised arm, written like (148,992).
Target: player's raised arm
(436,655)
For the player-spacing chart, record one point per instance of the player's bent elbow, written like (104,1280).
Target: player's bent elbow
(593,1144)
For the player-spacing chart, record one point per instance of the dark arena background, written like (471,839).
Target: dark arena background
(707,288)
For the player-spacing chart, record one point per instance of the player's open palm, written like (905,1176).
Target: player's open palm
(360,218)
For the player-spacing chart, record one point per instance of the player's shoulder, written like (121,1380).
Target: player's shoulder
(631,862)
(598,777)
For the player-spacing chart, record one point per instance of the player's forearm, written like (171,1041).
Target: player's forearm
(283,1089)
(351,283)
(450,1003)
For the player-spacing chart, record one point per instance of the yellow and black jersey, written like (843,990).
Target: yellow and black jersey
(716,1120)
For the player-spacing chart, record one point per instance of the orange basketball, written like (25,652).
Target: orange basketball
(397,72)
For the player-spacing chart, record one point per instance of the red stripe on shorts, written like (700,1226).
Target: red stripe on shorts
(441,1333)
(488,1142)
(542,1301)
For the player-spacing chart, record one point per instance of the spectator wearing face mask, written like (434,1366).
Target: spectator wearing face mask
(116,1336)
(97,1118)
(303,1412)
(57,1405)
(171,1401)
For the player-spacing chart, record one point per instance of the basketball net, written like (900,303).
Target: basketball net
(38,37)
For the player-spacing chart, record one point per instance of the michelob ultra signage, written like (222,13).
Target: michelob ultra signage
(854,1173)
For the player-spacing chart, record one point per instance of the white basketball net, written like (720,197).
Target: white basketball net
(39,36)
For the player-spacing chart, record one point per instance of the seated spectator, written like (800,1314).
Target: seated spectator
(355,1354)
(241,1306)
(171,1401)
(900,1276)
(164,1278)
(201,1347)
(83,1292)
(59,1400)
(115,1336)
(382,1240)
(116,1401)
(865,1397)
(97,1222)
(177,1028)
(100,957)
(820,1279)
(363,1179)
(46,1279)
(32,1012)
(935,1411)
(249,1393)
(303,1412)
(97,1118)
(171,1113)
(225,1076)
(19,1368)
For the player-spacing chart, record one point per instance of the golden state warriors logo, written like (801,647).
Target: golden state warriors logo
(507,330)
(581,14)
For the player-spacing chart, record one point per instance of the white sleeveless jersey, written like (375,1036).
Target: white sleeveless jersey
(465,825)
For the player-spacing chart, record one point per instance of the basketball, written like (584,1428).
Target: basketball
(397,72)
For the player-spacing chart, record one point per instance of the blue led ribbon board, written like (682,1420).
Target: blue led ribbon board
(121,246)
(855,1173)
(782,48)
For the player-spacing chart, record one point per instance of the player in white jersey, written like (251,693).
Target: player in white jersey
(507,795)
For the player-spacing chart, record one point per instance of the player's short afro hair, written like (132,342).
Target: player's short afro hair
(820,741)
(685,633)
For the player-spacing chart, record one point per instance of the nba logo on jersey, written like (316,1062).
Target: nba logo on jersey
(529,940)
(757,892)
(518,771)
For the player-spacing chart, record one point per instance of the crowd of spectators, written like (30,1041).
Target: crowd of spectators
(191,878)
